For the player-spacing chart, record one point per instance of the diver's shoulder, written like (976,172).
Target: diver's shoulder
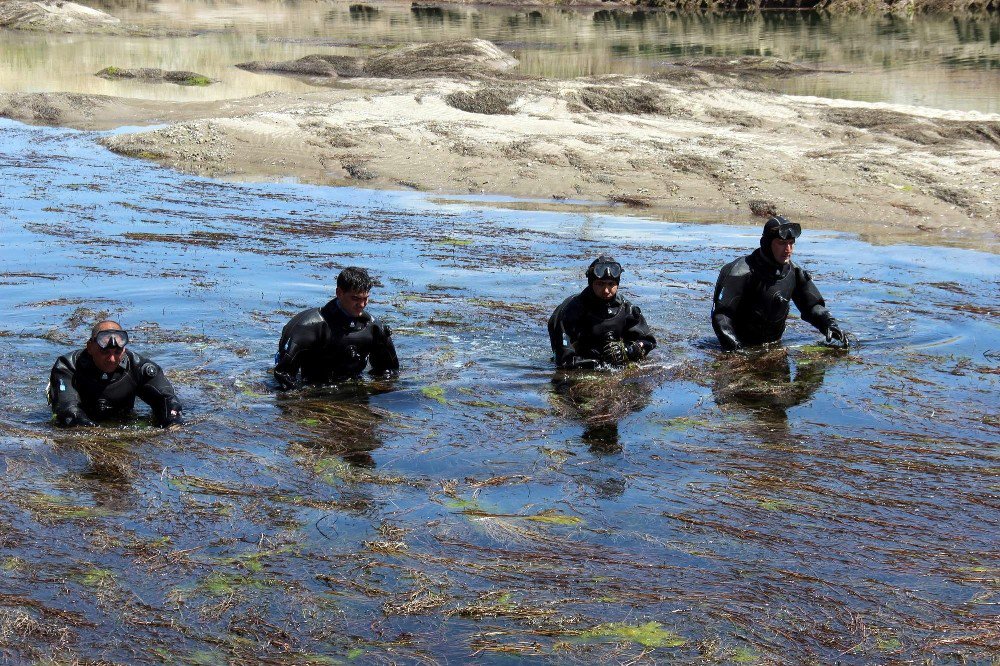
(737,268)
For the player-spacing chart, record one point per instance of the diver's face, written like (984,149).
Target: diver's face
(107,359)
(353,302)
(781,250)
(605,289)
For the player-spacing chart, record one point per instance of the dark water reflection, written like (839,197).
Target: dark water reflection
(812,506)
(937,61)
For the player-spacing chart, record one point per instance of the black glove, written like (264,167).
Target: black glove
(579,363)
(285,380)
(168,413)
(833,332)
(635,351)
(75,417)
(615,353)
(172,415)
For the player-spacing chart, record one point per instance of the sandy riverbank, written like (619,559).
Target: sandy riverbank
(698,140)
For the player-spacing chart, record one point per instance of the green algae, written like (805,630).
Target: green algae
(742,655)
(464,504)
(434,392)
(97,577)
(13,564)
(254,562)
(775,505)
(552,517)
(888,644)
(456,242)
(45,507)
(218,584)
(650,634)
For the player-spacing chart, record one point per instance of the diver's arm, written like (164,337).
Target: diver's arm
(63,397)
(728,293)
(810,302)
(288,359)
(562,348)
(383,353)
(155,390)
(639,340)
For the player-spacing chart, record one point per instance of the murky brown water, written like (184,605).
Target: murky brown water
(933,61)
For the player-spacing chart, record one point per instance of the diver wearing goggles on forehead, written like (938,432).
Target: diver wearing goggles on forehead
(753,294)
(103,379)
(598,326)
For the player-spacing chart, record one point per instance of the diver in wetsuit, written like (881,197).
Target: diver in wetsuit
(753,294)
(338,340)
(597,326)
(102,381)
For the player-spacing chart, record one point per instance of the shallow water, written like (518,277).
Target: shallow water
(801,506)
(942,62)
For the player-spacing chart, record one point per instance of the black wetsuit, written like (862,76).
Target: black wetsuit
(752,299)
(329,345)
(80,392)
(583,324)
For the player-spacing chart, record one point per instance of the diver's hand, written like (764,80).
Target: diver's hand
(615,353)
(173,418)
(635,351)
(579,363)
(285,380)
(834,333)
(75,418)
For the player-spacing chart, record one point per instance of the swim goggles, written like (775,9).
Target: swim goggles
(105,339)
(788,231)
(606,270)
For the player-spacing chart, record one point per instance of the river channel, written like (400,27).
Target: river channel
(798,505)
(795,505)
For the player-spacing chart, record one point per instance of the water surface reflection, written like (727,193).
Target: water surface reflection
(935,61)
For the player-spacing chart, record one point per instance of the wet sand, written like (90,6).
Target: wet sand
(712,151)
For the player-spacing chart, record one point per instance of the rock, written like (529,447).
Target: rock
(468,57)
(54,16)
(155,75)
(763,208)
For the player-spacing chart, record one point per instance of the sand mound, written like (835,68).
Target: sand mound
(745,65)
(471,57)
(54,16)
(925,131)
(330,66)
(488,100)
(634,100)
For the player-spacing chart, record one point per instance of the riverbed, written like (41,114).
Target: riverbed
(802,504)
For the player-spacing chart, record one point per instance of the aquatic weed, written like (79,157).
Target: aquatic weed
(650,634)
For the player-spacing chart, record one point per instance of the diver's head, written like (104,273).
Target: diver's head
(604,275)
(354,286)
(777,240)
(107,345)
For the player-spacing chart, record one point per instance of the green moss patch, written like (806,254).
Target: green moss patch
(650,634)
